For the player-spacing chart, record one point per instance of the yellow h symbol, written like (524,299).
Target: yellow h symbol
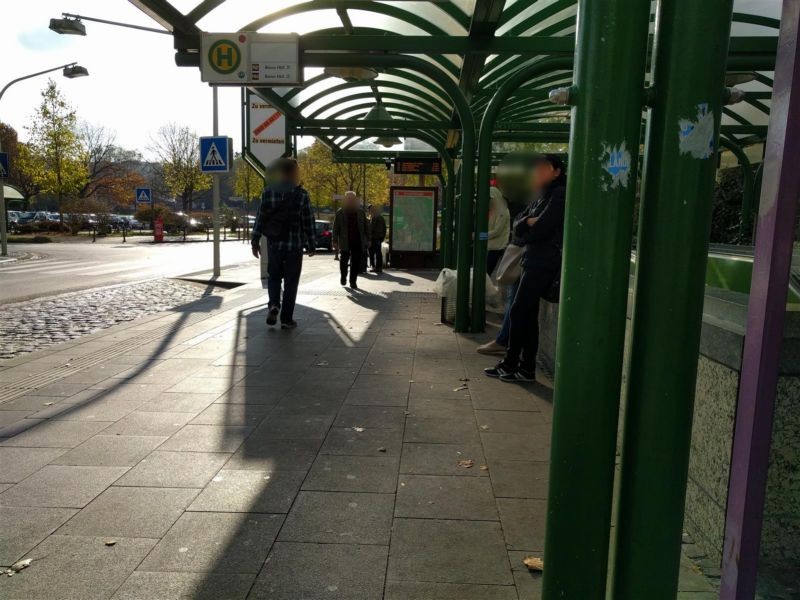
(224,54)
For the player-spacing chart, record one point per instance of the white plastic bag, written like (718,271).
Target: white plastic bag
(445,285)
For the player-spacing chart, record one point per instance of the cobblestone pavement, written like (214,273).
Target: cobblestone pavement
(36,324)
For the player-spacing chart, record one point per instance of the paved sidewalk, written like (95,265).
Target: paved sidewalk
(197,454)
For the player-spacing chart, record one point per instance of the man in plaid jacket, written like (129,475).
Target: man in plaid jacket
(285,217)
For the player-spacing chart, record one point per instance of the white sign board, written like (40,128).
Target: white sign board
(266,140)
(245,58)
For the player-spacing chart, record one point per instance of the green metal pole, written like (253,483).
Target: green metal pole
(490,115)
(748,189)
(608,100)
(450,87)
(679,168)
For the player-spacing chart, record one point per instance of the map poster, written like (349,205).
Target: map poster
(413,219)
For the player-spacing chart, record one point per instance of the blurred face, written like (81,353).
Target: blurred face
(375,210)
(350,201)
(543,174)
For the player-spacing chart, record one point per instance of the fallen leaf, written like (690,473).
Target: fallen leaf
(18,566)
(534,563)
(111,542)
(49,403)
(381,449)
(357,429)
(467,463)
(484,468)
(464,379)
(461,388)
(484,427)
(324,363)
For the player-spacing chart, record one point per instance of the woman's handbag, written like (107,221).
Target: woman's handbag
(509,269)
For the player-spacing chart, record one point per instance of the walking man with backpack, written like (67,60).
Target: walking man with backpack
(286,219)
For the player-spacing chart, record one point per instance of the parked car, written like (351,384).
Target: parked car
(324,235)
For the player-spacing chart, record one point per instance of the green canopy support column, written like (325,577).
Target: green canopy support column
(748,190)
(607,99)
(464,223)
(675,215)
(490,115)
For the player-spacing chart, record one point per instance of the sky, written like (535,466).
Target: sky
(134,86)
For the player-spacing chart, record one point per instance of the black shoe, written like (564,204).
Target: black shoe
(518,376)
(497,371)
(272,315)
(353,285)
(343,280)
(289,325)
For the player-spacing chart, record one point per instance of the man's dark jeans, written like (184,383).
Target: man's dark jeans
(355,260)
(284,267)
(376,255)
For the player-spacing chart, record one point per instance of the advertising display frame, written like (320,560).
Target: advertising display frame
(401,257)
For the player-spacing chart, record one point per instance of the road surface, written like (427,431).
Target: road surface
(72,266)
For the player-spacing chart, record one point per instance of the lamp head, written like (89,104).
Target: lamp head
(68,26)
(75,71)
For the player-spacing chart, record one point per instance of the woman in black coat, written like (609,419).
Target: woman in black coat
(542,230)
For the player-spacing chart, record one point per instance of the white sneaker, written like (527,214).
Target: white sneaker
(492,348)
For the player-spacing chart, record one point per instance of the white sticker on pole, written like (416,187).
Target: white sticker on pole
(267,131)
(696,137)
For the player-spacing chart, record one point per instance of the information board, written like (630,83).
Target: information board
(417,166)
(413,220)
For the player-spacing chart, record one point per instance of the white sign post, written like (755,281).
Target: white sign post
(266,126)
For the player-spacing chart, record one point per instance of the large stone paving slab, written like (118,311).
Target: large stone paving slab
(339,518)
(24,527)
(448,497)
(175,469)
(56,434)
(111,451)
(412,590)
(73,567)
(61,486)
(190,586)
(250,491)
(322,571)
(353,474)
(207,438)
(215,542)
(131,512)
(448,552)
(17,463)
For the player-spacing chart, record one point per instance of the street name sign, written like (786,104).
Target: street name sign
(215,154)
(4,167)
(245,58)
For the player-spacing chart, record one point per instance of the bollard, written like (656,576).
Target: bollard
(124,230)
(94,234)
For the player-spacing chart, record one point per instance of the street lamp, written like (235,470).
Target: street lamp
(73,25)
(70,71)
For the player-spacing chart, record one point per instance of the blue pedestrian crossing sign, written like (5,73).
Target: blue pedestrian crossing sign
(3,165)
(144,196)
(215,154)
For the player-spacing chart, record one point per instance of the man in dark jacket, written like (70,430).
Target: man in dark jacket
(542,230)
(351,238)
(286,219)
(377,233)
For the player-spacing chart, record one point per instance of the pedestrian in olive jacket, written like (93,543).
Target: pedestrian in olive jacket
(351,238)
